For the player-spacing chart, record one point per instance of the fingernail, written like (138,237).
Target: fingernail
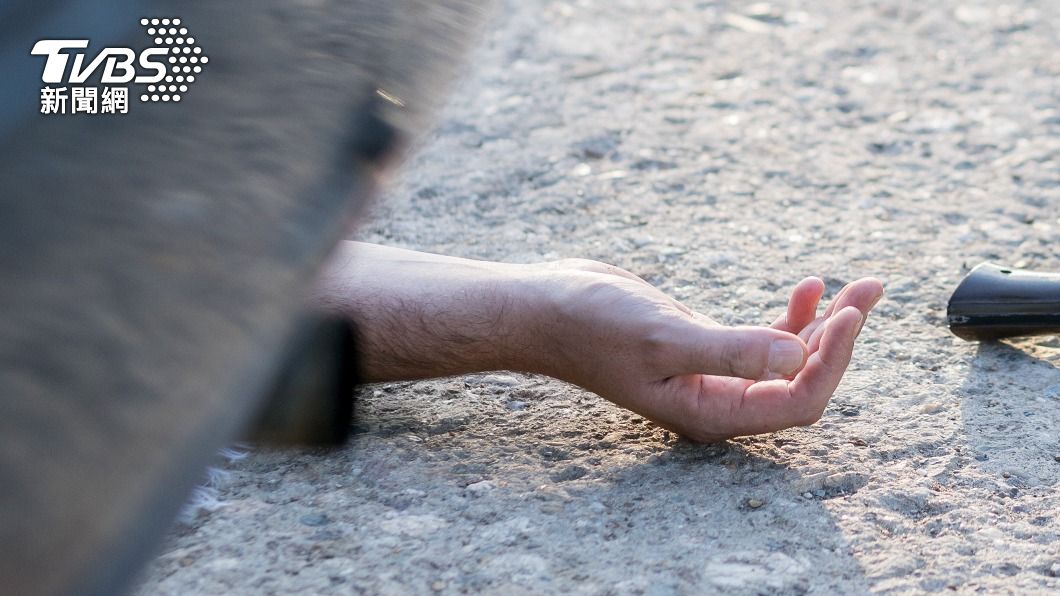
(875,302)
(864,318)
(865,315)
(785,356)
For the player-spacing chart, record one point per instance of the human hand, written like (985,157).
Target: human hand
(616,335)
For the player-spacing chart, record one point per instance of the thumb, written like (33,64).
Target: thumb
(758,353)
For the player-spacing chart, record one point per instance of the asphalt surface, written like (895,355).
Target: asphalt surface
(722,151)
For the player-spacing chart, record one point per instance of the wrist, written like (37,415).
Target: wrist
(530,339)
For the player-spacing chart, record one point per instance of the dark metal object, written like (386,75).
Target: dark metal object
(311,401)
(995,302)
(153,266)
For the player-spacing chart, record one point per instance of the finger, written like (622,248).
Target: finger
(862,294)
(816,383)
(802,306)
(745,352)
(838,297)
(811,332)
(776,405)
(813,343)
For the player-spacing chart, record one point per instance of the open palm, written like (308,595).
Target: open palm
(643,350)
(721,407)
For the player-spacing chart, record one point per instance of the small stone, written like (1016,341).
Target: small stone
(569,473)
(313,519)
(480,488)
(755,503)
(598,147)
(516,405)
(846,481)
(501,380)
(1054,570)
(581,170)
(807,495)
(1057,457)
(498,380)
(438,585)
(932,408)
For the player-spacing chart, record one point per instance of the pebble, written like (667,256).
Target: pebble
(438,585)
(898,351)
(932,408)
(1057,457)
(495,379)
(313,519)
(598,147)
(807,495)
(581,170)
(516,405)
(746,24)
(755,503)
(481,487)
(569,473)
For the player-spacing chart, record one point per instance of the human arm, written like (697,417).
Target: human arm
(421,315)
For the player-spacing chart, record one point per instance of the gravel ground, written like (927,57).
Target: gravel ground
(722,151)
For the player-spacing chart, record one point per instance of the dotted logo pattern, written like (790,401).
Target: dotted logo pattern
(185,59)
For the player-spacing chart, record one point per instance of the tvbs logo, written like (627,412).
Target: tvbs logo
(165,71)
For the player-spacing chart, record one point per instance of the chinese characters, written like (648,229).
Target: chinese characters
(84,100)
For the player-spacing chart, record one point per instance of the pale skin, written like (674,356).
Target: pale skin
(423,315)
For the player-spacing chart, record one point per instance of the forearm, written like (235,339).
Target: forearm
(422,315)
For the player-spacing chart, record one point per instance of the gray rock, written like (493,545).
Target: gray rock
(496,380)
(569,473)
(480,488)
(313,519)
